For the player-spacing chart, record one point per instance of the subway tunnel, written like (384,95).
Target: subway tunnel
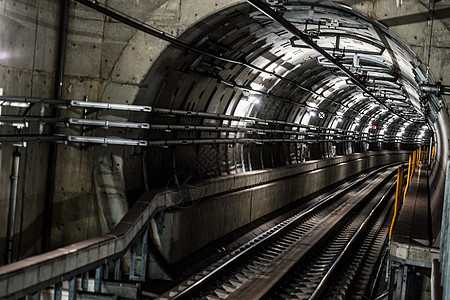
(216,98)
(283,84)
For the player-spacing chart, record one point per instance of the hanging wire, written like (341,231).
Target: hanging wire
(142,26)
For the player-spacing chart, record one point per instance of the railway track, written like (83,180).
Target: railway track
(326,251)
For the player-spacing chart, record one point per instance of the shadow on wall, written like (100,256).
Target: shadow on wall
(440,14)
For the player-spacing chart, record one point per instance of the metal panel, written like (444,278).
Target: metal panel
(445,238)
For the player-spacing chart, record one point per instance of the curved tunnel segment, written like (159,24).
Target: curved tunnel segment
(289,99)
(261,97)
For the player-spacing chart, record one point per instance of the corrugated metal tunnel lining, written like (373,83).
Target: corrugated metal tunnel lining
(266,99)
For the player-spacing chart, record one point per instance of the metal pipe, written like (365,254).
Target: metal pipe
(239,129)
(154,143)
(164,36)
(20,101)
(51,169)
(12,206)
(269,12)
(436,89)
(258,121)
(445,90)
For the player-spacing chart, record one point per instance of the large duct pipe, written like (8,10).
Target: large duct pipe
(12,207)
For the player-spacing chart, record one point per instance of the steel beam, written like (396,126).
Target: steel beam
(98,279)
(162,35)
(117,270)
(72,289)
(269,12)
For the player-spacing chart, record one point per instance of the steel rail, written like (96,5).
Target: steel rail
(319,290)
(259,286)
(21,278)
(190,291)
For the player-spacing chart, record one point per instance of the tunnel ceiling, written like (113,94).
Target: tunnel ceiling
(250,80)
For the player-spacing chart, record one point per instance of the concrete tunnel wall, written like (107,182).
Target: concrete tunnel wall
(188,229)
(107,61)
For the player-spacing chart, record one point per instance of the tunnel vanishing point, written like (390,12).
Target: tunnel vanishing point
(188,120)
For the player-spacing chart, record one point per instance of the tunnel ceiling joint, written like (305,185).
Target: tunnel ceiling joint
(277,17)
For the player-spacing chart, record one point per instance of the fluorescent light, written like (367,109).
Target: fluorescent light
(106,140)
(253,99)
(115,106)
(242,109)
(15,104)
(106,123)
(312,104)
(256,86)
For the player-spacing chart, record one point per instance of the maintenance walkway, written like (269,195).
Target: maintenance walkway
(414,249)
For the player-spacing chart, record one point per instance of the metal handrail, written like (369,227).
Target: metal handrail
(38,272)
